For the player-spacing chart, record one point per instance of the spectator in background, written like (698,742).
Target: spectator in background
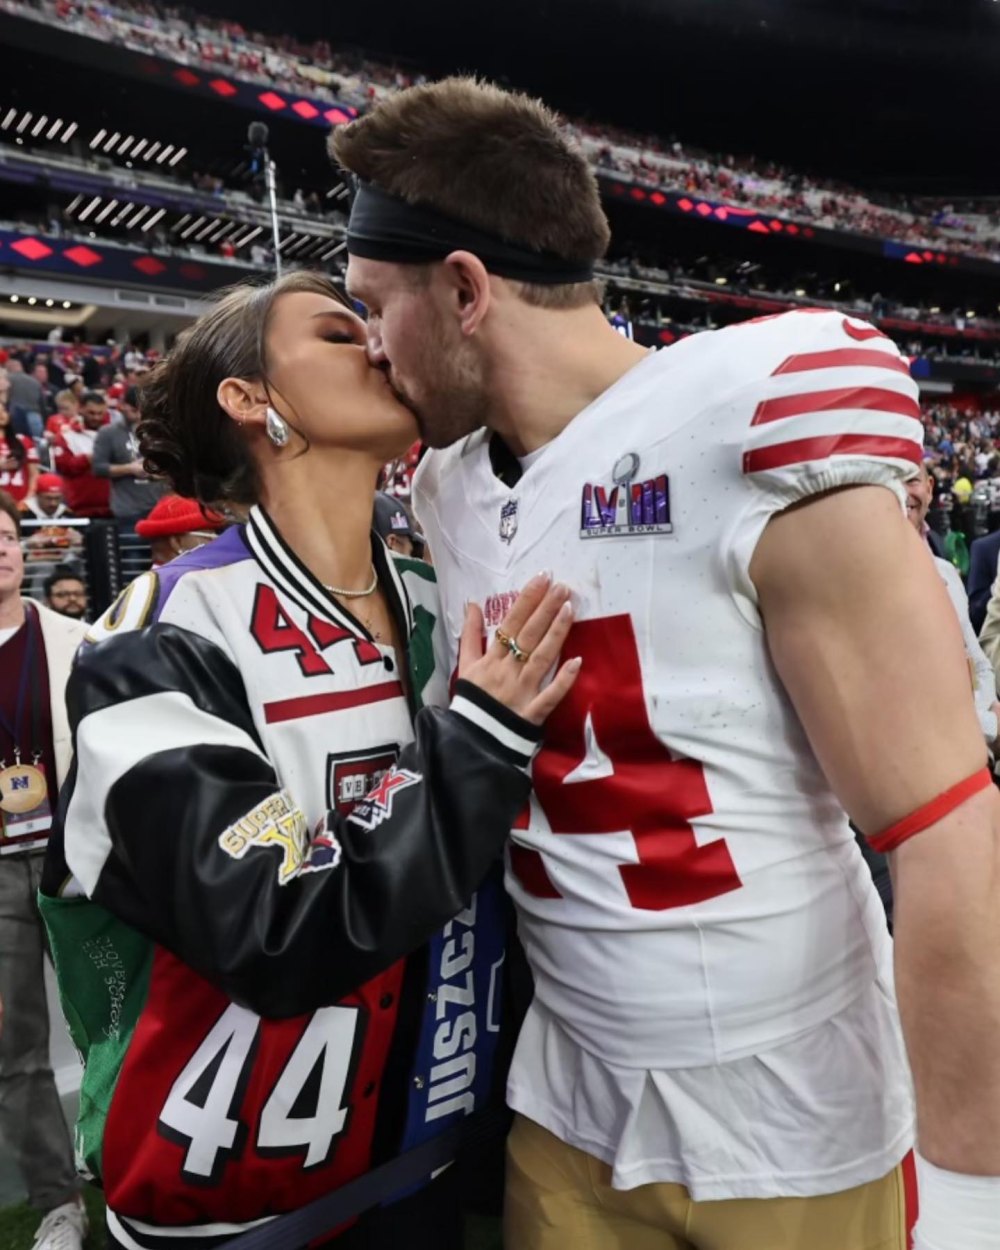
(66,593)
(393,525)
(67,413)
(116,457)
(48,502)
(918,496)
(41,375)
(984,555)
(36,652)
(26,400)
(87,494)
(18,461)
(176,525)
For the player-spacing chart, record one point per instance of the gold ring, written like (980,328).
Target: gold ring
(517,652)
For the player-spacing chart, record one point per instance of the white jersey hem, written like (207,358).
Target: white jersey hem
(760,1185)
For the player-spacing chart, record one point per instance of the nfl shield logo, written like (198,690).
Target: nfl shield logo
(508,520)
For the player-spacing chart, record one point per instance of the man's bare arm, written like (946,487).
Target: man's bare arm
(868,647)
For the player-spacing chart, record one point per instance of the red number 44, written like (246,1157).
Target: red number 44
(640,786)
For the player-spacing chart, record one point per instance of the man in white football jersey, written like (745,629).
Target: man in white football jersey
(712,1060)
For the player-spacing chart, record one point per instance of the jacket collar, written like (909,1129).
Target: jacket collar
(287,571)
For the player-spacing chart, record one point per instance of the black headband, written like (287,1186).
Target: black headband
(384,227)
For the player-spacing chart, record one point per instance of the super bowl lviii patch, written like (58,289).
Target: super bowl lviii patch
(628,506)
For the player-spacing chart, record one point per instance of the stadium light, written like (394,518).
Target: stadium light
(49,303)
(143,210)
(69,132)
(23,123)
(39,126)
(970,313)
(799,292)
(164,154)
(178,156)
(112,141)
(108,208)
(247,237)
(212,223)
(935,309)
(194,226)
(138,148)
(183,221)
(67,304)
(14,299)
(98,137)
(54,129)
(125,145)
(8,118)
(152,151)
(721,281)
(836,286)
(154,219)
(90,208)
(72,207)
(129,205)
(333,251)
(32,300)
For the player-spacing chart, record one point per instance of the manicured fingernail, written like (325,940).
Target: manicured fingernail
(574,666)
(566,610)
(543,576)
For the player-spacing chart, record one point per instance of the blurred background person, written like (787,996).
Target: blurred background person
(87,495)
(18,460)
(176,525)
(36,651)
(66,593)
(117,458)
(393,522)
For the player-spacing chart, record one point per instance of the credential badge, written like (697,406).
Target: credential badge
(628,507)
(508,520)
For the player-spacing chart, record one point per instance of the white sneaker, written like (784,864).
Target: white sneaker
(64,1228)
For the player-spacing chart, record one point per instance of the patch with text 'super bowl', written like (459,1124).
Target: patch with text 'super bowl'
(627,507)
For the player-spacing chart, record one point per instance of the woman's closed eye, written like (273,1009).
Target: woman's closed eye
(341,337)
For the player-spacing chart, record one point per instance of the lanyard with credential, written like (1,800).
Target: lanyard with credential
(27,668)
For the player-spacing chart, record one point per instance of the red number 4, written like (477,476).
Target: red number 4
(274,630)
(637,786)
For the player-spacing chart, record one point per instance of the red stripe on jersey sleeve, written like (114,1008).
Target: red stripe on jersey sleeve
(333,701)
(842,357)
(800,450)
(874,398)
(861,334)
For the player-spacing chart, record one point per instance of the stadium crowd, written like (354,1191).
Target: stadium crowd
(359,81)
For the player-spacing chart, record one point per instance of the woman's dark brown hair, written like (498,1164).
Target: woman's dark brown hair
(184,435)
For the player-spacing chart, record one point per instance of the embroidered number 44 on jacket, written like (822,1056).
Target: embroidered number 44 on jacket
(256,837)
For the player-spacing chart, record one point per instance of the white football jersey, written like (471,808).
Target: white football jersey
(688,888)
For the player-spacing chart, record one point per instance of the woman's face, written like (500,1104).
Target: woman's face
(322,383)
(4,416)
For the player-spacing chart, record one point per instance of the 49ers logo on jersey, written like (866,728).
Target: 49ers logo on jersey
(377,804)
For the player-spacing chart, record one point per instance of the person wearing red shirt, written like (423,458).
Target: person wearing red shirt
(73,459)
(18,461)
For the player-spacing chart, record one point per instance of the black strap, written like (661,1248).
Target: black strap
(299,1228)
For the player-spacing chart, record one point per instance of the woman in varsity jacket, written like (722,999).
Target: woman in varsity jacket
(264,893)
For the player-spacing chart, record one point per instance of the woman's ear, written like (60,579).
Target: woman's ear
(245,402)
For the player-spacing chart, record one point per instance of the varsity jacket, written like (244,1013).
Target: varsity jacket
(269,893)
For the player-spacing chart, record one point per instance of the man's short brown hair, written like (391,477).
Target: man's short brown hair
(495,159)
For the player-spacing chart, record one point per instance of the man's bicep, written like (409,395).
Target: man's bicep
(869,650)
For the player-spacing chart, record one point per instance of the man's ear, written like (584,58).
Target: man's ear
(470,289)
(245,402)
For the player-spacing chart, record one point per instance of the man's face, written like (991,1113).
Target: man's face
(94,415)
(68,597)
(919,496)
(49,501)
(11,558)
(42,374)
(433,369)
(130,413)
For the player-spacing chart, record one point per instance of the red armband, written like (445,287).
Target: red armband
(930,813)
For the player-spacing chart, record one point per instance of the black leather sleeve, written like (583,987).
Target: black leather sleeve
(166,853)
